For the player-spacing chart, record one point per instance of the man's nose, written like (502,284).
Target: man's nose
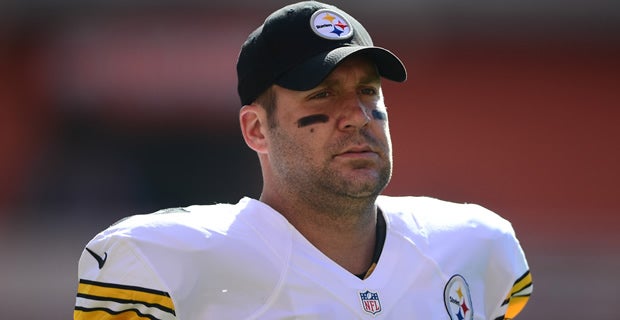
(354,114)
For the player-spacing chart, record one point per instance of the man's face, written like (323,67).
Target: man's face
(333,139)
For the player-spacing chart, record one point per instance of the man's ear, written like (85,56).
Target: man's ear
(253,120)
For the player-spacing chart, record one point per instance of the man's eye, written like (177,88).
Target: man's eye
(322,94)
(369,91)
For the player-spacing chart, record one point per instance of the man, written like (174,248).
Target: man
(320,243)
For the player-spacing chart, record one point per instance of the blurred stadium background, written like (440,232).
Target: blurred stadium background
(112,108)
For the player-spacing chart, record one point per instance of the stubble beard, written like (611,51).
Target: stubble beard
(329,186)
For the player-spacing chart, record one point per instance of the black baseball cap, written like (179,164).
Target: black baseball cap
(300,44)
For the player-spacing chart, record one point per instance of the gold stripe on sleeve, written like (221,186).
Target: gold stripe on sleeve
(519,295)
(134,294)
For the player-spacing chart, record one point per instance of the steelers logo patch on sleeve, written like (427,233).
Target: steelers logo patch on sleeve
(458,299)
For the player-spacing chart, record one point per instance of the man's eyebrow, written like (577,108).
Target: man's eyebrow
(371,78)
(312,119)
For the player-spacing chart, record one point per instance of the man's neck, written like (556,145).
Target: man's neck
(345,233)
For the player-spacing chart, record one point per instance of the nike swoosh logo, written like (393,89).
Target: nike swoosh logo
(100,261)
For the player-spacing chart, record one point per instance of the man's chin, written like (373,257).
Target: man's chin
(365,190)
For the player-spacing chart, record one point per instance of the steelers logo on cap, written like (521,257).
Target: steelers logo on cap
(330,25)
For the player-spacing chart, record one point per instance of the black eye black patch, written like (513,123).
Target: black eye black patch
(379,115)
(312,119)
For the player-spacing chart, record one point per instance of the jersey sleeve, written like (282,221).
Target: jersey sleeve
(511,264)
(518,296)
(117,282)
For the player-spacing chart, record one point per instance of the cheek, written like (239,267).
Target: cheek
(300,142)
(382,132)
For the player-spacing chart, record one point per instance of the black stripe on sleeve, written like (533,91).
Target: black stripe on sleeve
(112,312)
(124,287)
(150,305)
(522,277)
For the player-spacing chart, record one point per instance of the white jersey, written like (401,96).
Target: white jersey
(440,260)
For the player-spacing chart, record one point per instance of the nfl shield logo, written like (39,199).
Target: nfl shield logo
(370,302)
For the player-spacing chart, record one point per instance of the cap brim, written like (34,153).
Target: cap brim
(313,71)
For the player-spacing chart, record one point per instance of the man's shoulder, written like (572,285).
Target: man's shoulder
(175,226)
(431,216)
(209,216)
(185,251)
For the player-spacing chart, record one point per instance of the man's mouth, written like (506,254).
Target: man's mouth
(361,152)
